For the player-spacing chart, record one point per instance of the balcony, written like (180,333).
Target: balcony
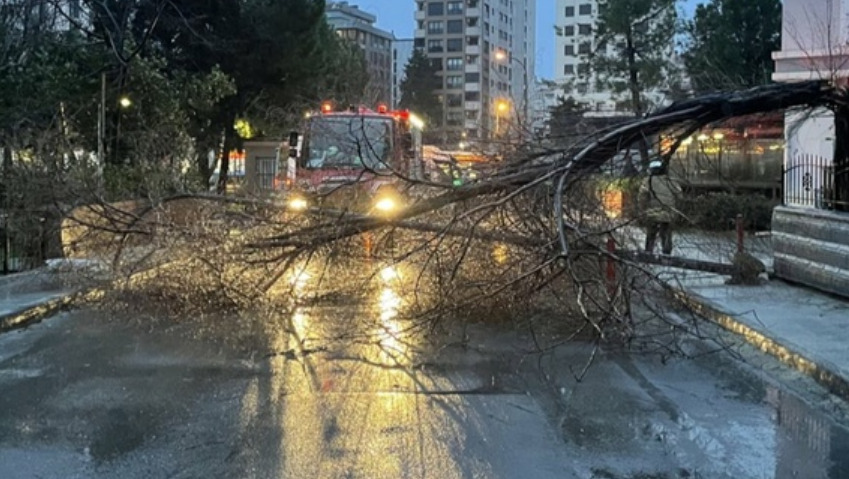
(421,14)
(473,50)
(473,31)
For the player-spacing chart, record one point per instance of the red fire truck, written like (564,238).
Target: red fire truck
(354,159)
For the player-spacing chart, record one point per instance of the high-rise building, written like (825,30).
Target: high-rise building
(402,50)
(483,50)
(357,26)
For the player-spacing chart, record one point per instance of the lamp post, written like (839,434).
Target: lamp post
(501,55)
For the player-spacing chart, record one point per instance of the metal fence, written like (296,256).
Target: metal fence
(809,182)
(266,172)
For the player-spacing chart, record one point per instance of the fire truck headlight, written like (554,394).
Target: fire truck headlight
(297,203)
(386,204)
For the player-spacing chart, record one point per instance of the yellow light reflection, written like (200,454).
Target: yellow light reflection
(500,253)
(299,280)
(390,329)
(390,273)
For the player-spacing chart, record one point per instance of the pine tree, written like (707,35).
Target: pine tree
(731,43)
(419,87)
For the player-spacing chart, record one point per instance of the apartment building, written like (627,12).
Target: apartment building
(358,27)
(484,52)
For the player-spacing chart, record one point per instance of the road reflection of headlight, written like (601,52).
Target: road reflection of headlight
(500,253)
(389,273)
(297,203)
(299,280)
(390,329)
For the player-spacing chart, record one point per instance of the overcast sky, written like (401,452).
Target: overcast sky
(398,16)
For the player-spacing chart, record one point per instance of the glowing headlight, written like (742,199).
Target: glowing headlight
(297,204)
(385,204)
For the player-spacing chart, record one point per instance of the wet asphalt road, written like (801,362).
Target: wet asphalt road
(83,396)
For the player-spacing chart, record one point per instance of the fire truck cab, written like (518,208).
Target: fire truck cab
(354,159)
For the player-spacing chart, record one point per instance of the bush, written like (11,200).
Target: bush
(717,211)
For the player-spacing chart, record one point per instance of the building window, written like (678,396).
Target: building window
(472,41)
(454,64)
(455,26)
(569,30)
(584,48)
(472,114)
(569,50)
(454,100)
(585,29)
(419,43)
(473,78)
(585,9)
(583,69)
(472,22)
(569,11)
(455,8)
(434,46)
(473,3)
(435,27)
(455,118)
(455,45)
(472,59)
(454,81)
(435,8)
(568,69)
(436,64)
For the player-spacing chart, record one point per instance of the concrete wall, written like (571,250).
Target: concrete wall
(812,248)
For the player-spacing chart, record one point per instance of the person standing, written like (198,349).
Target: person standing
(659,194)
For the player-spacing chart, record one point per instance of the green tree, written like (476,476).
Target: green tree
(418,90)
(280,55)
(633,53)
(634,47)
(730,44)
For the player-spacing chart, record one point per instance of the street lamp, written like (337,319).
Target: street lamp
(501,55)
(125,102)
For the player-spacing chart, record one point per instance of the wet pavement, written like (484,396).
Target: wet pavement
(93,395)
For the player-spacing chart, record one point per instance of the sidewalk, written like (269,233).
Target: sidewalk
(800,326)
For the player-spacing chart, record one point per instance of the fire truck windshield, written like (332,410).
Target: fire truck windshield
(349,142)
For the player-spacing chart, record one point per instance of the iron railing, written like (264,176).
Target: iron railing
(809,181)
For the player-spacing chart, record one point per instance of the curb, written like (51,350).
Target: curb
(35,314)
(824,374)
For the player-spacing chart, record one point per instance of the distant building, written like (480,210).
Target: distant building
(402,50)
(545,95)
(357,26)
(484,52)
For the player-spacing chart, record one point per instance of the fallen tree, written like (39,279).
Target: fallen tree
(530,237)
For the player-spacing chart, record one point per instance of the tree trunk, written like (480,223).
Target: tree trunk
(636,101)
(230,143)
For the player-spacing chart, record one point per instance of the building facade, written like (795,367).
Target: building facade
(484,52)
(357,26)
(811,229)
(402,50)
